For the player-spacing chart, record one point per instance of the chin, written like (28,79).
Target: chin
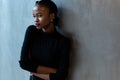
(38,27)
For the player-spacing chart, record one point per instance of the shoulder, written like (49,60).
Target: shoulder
(62,34)
(64,42)
(30,27)
(63,38)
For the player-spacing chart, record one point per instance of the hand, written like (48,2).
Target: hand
(43,76)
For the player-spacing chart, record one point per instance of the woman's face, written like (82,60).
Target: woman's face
(42,17)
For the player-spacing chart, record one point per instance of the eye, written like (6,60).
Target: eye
(39,15)
(34,16)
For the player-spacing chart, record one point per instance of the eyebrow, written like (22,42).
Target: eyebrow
(37,13)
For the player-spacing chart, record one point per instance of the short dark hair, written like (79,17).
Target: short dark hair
(52,8)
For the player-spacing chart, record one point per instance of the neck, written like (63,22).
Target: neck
(49,28)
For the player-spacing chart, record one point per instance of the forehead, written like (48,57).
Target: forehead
(40,9)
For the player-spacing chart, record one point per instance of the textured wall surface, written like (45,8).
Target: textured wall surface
(95,29)
(94,26)
(15,16)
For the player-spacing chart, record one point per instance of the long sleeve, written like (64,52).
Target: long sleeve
(62,70)
(25,62)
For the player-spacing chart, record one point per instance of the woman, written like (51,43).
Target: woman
(45,52)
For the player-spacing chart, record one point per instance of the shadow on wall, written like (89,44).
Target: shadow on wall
(74,42)
(73,52)
(73,57)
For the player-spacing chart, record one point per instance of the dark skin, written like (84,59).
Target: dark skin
(43,20)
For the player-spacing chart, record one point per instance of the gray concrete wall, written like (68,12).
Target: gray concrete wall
(95,29)
(94,26)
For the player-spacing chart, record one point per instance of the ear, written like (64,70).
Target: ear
(52,16)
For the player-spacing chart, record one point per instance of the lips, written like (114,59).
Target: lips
(37,24)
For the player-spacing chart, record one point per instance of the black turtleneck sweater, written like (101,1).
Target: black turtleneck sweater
(45,49)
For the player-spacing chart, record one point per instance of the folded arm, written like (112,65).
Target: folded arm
(43,72)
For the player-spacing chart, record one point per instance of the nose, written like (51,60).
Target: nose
(36,19)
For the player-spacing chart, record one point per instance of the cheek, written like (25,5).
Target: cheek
(40,19)
(44,20)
